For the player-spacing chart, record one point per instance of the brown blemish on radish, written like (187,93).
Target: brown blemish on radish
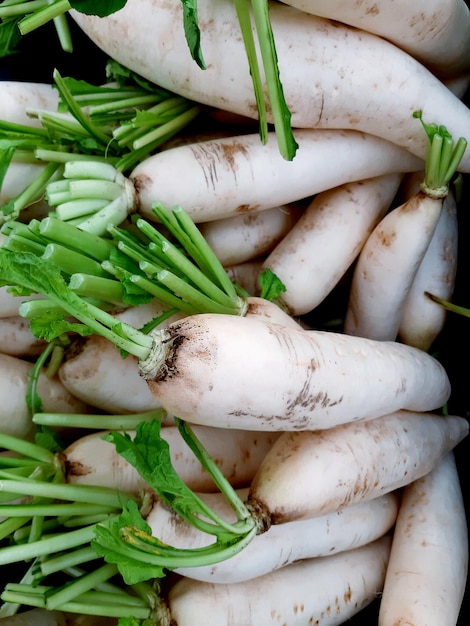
(75,468)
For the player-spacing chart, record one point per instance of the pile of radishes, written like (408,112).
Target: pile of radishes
(325,410)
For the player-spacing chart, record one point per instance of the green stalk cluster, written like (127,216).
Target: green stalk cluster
(117,124)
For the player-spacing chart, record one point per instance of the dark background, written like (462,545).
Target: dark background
(40,53)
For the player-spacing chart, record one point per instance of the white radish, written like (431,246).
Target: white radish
(281,544)
(393,252)
(95,371)
(437,33)
(332,74)
(316,253)
(309,473)
(16,99)
(19,97)
(15,418)
(17,339)
(326,591)
(246,275)
(386,267)
(428,565)
(285,379)
(245,237)
(232,175)
(422,319)
(91,460)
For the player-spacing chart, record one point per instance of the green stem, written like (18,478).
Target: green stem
(98,422)
(56,543)
(280,111)
(91,494)
(70,559)
(43,15)
(108,289)
(26,448)
(208,463)
(449,306)
(83,584)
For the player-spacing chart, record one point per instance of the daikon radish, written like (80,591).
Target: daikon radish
(422,319)
(246,275)
(326,591)
(231,175)
(245,237)
(18,97)
(17,339)
(15,416)
(281,544)
(286,379)
(428,565)
(90,460)
(393,252)
(435,33)
(312,473)
(95,371)
(321,64)
(316,253)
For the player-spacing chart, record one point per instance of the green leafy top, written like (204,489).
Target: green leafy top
(12,18)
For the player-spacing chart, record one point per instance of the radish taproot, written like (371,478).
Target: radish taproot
(428,564)
(282,544)
(308,473)
(287,379)
(422,320)
(326,591)
(91,460)
(330,90)
(233,175)
(436,33)
(393,252)
(245,237)
(17,339)
(318,250)
(15,415)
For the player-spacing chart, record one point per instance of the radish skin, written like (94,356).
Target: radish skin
(316,253)
(325,591)
(92,461)
(422,320)
(286,379)
(436,33)
(17,339)
(245,237)
(246,275)
(95,371)
(18,97)
(387,265)
(428,565)
(232,175)
(309,473)
(332,74)
(15,418)
(281,544)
